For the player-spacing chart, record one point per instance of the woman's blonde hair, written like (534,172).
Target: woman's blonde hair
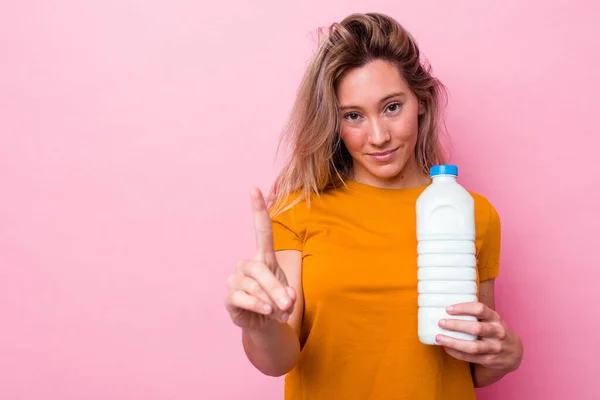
(318,159)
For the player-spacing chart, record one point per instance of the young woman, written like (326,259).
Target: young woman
(330,297)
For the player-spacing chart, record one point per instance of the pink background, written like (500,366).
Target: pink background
(131,131)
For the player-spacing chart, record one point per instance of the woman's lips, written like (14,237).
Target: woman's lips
(384,155)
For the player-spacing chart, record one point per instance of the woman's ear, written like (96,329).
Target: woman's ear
(421,108)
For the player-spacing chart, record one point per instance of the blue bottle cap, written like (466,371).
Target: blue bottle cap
(443,169)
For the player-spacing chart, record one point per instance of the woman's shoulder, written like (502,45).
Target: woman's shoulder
(288,203)
(302,204)
(485,212)
(291,215)
(480,199)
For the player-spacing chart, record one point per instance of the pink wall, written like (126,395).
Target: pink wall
(130,132)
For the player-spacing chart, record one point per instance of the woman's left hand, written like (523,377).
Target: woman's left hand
(497,346)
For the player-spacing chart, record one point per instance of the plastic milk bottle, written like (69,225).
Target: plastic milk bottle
(446,252)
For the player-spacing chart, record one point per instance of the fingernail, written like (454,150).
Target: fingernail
(442,322)
(439,339)
(449,308)
(285,317)
(267,308)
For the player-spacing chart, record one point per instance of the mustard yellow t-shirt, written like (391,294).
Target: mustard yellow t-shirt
(359,278)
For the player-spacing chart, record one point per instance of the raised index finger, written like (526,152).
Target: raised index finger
(262,226)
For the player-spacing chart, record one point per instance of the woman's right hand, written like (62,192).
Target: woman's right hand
(258,290)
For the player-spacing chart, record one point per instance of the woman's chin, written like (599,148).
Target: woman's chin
(389,171)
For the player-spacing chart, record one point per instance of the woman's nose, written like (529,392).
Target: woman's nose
(379,134)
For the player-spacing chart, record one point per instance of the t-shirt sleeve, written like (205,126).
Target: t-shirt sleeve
(489,256)
(285,231)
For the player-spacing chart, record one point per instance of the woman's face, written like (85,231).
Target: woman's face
(379,125)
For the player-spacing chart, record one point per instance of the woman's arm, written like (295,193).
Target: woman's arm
(274,350)
(496,352)
(482,375)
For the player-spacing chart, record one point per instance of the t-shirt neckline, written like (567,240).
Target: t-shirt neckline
(356,186)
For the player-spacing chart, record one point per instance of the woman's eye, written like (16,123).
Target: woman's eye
(352,116)
(394,107)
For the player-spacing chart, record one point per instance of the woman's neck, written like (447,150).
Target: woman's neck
(410,176)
